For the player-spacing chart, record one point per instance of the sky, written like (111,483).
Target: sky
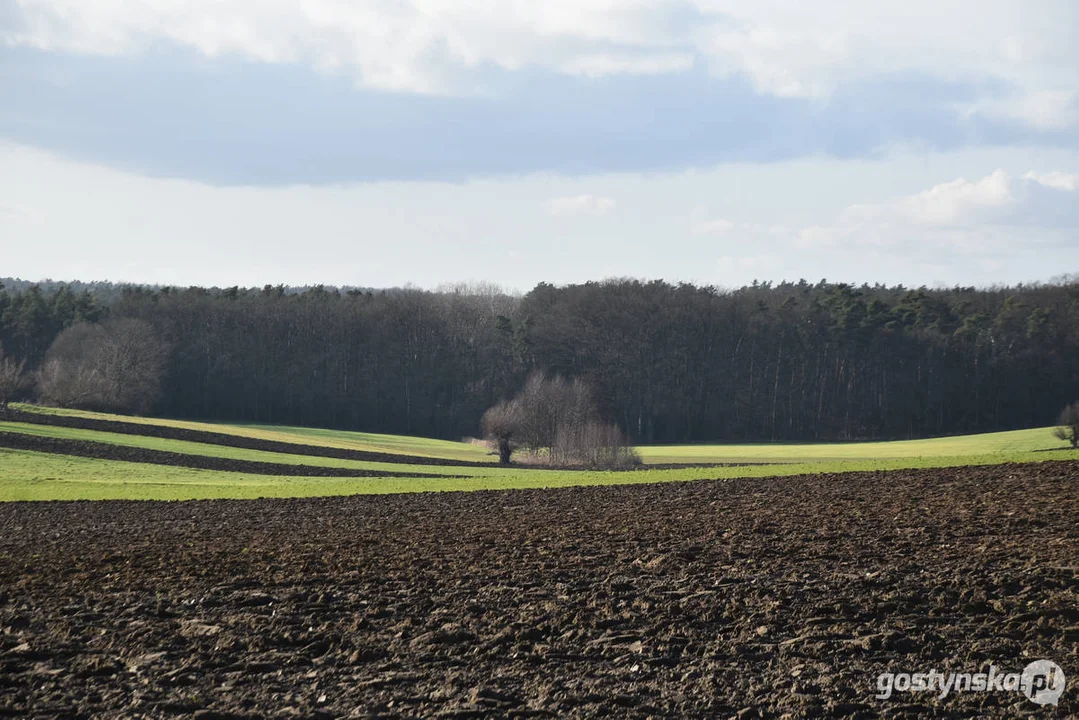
(381,143)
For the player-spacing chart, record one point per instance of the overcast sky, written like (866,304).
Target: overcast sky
(392,142)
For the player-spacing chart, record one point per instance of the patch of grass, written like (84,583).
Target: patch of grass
(397,444)
(1037,439)
(185,447)
(1016,441)
(372,442)
(28,475)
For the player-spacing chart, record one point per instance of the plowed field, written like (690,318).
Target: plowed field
(711,599)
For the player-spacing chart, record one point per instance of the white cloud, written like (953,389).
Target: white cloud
(783,48)
(703,223)
(719,226)
(998,199)
(7,213)
(967,216)
(1041,109)
(958,222)
(812,50)
(957,201)
(786,62)
(580,205)
(78,220)
(410,45)
(21,214)
(1055,180)
(606,64)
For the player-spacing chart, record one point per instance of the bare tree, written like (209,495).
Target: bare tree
(550,404)
(502,425)
(116,365)
(132,359)
(558,420)
(67,384)
(69,377)
(11,378)
(593,444)
(1068,422)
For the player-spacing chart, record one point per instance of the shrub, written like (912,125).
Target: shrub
(559,420)
(1068,422)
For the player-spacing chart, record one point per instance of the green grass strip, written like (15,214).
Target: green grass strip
(28,475)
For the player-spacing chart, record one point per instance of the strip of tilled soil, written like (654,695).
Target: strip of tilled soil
(109,451)
(783,597)
(237,441)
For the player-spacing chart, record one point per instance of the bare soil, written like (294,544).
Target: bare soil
(742,598)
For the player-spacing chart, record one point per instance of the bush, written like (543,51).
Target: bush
(558,420)
(1069,425)
(593,444)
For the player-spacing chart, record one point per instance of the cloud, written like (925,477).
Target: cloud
(432,46)
(1043,200)
(967,216)
(972,220)
(275,92)
(701,224)
(1055,180)
(786,62)
(956,202)
(9,213)
(718,227)
(20,214)
(236,122)
(606,64)
(1046,110)
(412,45)
(371,233)
(580,205)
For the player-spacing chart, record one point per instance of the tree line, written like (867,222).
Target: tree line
(669,363)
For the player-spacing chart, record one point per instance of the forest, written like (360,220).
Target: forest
(668,363)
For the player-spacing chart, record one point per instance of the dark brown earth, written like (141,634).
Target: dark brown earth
(743,598)
(109,451)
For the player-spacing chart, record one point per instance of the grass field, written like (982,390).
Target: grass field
(224,451)
(1015,441)
(26,475)
(374,442)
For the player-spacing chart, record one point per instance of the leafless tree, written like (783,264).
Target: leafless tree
(116,365)
(550,403)
(11,378)
(593,444)
(70,384)
(557,419)
(1068,423)
(502,426)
